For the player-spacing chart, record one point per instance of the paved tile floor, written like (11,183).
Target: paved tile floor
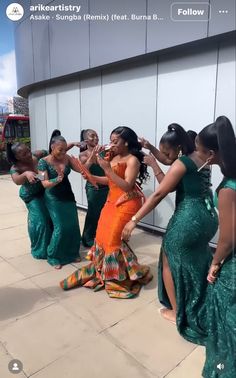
(80,333)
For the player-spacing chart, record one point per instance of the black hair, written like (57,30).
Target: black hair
(83,137)
(55,137)
(192,135)
(176,136)
(220,138)
(134,148)
(12,151)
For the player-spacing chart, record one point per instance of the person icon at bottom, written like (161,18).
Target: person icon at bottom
(15,366)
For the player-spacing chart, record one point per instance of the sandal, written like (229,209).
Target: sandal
(57,266)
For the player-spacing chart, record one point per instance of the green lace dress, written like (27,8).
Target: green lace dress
(60,202)
(96,199)
(185,244)
(221,343)
(39,223)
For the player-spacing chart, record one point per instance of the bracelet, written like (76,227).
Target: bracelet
(216,264)
(157,174)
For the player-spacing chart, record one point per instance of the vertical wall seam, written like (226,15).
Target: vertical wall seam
(80,105)
(81,128)
(89,31)
(46,119)
(32,41)
(157,61)
(49,53)
(146,28)
(216,81)
(209,16)
(102,106)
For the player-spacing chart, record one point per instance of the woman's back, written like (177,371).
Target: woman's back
(194,184)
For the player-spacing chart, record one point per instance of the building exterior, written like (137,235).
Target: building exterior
(140,63)
(18,105)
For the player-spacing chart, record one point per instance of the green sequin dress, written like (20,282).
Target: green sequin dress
(60,202)
(39,223)
(96,199)
(185,244)
(221,343)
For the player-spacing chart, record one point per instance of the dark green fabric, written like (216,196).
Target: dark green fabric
(221,342)
(60,202)
(39,227)
(185,244)
(63,190)
(39,223)
(28,191)
(96,199)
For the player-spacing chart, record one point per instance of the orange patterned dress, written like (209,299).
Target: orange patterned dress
(113,265)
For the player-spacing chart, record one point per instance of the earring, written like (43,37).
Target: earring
(126,144)
(180,153)
(200,168)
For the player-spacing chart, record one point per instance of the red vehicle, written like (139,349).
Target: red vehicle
(16,127)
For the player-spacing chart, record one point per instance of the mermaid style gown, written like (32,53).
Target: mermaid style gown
(113,265)
(185,245)
(221,301)
(39,223)
(60,201)
(96,199)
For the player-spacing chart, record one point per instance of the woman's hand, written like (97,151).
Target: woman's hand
(127,230)
(213,272)
(93,156)
(104,164)
(150,160)
(60,177)
(60,173)
(31,177)
(145,143)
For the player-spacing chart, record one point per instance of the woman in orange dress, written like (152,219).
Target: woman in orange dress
(114,265)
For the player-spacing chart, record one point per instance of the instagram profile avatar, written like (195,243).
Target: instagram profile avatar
(14,11)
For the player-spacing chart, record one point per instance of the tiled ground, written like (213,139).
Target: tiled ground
(80,333)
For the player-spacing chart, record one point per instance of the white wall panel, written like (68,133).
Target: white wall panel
(129,99)
(186,95)
(52,110)
(38,121)
(91,112)
(68,103)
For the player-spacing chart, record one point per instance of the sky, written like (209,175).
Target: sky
(7,54)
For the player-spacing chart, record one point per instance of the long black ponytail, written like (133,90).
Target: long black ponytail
(56,136)
(220,138)
(176,136)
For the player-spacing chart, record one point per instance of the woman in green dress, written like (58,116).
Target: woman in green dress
(24,172)
(185,254)
(216,144)
(60,201)
(96,197)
